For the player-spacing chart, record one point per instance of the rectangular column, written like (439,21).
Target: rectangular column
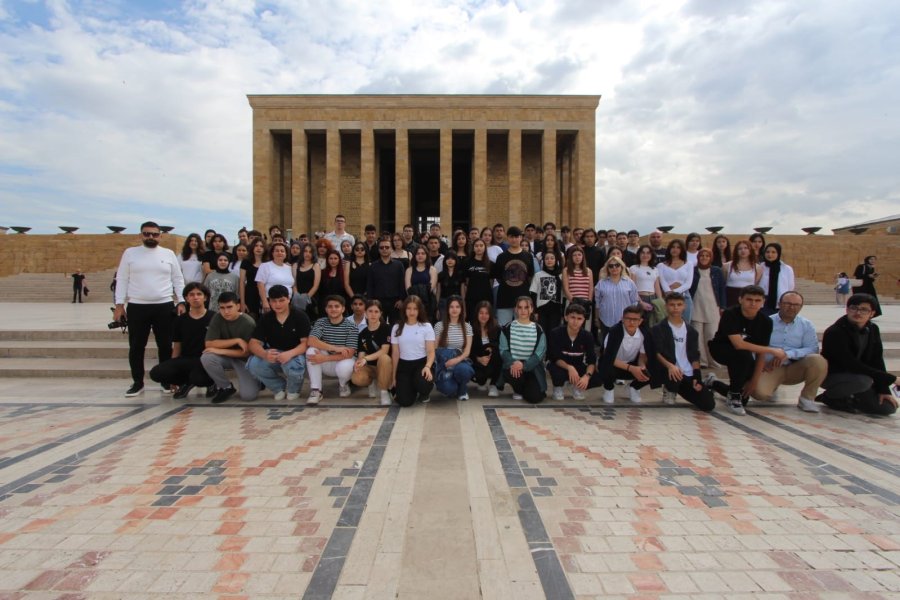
(401,193)
(446,179)
(583,211)
(368,206)
(299,183)
(479,179)
(549,185)
(332,180)
(265,172)
(514,162)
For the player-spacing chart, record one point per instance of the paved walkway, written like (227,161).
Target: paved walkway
(107,497)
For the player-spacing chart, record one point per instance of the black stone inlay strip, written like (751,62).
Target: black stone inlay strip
(328,570)
(79,456)
(550,571)
(813,463)
(881,465)
(11,460)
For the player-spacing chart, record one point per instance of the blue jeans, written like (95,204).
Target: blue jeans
(505,315)
(453,382)
(273,375)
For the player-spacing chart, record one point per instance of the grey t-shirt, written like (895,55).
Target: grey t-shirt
(220,329)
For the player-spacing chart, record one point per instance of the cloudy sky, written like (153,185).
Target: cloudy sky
(732,113)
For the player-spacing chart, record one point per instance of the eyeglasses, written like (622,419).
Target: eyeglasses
(614,266)
(150,234)
(859,310)
(384,247)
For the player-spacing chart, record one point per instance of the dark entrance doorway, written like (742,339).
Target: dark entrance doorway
(425,179)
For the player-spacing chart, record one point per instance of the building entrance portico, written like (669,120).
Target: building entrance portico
(393,160)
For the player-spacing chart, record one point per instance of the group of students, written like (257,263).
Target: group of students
(507,307)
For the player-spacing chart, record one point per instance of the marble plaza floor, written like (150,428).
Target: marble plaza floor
(147,497)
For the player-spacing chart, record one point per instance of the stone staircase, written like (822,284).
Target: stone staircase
(54,287)
(821,293)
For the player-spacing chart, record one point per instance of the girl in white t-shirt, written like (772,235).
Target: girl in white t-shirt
(412,351)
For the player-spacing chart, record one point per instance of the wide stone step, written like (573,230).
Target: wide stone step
(69,349)
(111,335)
(68,367)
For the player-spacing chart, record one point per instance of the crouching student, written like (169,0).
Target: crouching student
(279,345)
(453,370)
(332,350)
(627,348)
(677,347)
(486,349)
(412,353)
(184,370)
(227,347)
(373,368)
(571,358)
(522,349)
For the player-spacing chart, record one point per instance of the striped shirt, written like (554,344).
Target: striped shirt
(611,298)
(454,335)
(344,333)
(522,340)
(580,284)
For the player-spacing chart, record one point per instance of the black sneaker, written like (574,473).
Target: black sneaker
(134,390)
(211,391)
(183,392)
(224,394)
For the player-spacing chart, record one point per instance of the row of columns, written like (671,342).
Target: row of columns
(573,205)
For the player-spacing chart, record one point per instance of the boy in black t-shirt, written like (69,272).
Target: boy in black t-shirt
(741,344)
(184,370)
(513,270)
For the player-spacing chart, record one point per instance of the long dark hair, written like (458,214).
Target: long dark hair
(672,244)
(445,320)
(421,317)
(647,247)
(491,326)
(186,251)
(720,257)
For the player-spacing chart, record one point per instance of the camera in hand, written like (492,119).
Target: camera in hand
(122,323)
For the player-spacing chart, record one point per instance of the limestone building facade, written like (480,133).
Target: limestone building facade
(394,159)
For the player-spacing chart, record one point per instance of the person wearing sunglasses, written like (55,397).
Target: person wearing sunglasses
(150,282)
(857,379)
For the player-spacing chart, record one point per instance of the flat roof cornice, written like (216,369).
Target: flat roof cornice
(421,101)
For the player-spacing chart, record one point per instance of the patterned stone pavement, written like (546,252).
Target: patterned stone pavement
(104,499)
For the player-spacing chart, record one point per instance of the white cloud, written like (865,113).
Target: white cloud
(732,113)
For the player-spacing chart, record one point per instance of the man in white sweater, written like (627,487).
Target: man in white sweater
(148,279)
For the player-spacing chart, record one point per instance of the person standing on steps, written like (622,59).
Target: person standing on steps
(78,280)
(148,279)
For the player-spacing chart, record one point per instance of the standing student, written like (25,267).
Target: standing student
(841,289)
(693,243)
(190,257)
(578,282)
(450,280)
(777,277)
(678,354)
(612,294)
(571,358)
(386,282)
(523,345)
(628,348)
(217,246)
(453,345)
(250,300)
(332,280)
(421,280)
(708,294)
(547,290)
(332,350)
(78,279)
(741,344)
(676,274)
(513,270)
(477,286)
(757,243)
(742,271)
(486,349)
(721,251)
(275,271)
(867,275)
(307,277)
(373,367)
(646,278)
(412,353)
(356,271)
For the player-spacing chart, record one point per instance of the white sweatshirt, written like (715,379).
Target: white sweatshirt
(149,276)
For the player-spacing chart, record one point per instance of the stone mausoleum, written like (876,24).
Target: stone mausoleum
(392,160)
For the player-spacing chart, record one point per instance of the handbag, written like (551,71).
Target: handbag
(86,291)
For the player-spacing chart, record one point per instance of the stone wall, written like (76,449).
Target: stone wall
(64,253)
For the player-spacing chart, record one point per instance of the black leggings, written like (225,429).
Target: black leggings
(489,372)
(410,383)
(141,319)
(685,388)
(527,385)
(609,380)
(181,370)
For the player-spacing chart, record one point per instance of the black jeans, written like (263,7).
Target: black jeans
(527,385)
(740,364)
(410,383)
(181,370)
(851,391)
(489,372)
(141,319)
(703,399)
(560,376)
(76,294)
(609,379)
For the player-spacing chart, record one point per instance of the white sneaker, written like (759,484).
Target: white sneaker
(807,405)
(164,390)
(385,398)
(518,396)
(493,392)
(280,396)
(558,393)
(634,395)
(293,396)
(609,396)
(669,397)
(482,388)
(373,390)
(315,396)
(735,405)
(464,397)
(344,391)
(577,394)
